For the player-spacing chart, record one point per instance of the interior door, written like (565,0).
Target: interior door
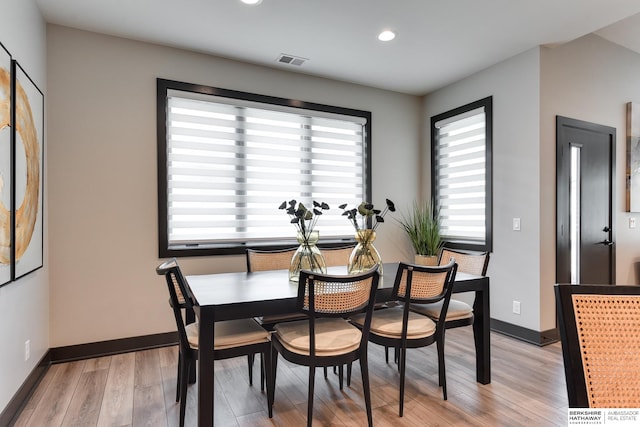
(585,248)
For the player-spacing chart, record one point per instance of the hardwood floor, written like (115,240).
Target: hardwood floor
(136,389)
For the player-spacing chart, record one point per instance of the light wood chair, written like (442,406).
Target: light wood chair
(232,338)
(600,334)
(401,328)
(325,338)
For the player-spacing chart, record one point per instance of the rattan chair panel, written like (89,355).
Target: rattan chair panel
(608,330)
(269,260)
(472,263)
(339,297)
(337,256)
(424,285)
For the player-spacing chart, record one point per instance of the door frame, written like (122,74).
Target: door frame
(563,267)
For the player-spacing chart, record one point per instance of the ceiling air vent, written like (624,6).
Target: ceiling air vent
(290,59)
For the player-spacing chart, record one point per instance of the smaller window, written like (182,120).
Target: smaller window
(461,174)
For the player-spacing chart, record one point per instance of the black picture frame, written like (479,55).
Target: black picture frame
(28,182)
(6,167)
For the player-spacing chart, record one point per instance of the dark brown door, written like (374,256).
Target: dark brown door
(585,248)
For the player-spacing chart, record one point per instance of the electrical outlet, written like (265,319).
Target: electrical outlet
(516,307)
(27,350)
(632,222)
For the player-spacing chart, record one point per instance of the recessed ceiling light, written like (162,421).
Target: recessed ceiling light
(251,2)
(386,35)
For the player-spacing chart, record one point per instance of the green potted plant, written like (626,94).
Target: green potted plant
(422,225)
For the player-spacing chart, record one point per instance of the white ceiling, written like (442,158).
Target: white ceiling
(438,42)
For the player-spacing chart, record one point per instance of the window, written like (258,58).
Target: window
(461,174)
(228,159)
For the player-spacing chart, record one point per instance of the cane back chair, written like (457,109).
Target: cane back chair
(401,328)
(325,338)
(600,335)
(232,338)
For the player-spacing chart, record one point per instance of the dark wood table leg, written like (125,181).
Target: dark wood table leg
(482,334)
(205,369)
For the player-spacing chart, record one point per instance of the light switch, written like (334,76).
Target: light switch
(516,224)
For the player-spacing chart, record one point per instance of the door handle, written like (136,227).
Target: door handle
(606,242)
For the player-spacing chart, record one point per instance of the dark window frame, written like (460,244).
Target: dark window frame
(487,103)
(162,88)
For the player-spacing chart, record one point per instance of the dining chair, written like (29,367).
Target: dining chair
(600,334)
(325,337)
(401,328)
(459,313)
(262,260)
(280,259)
(337,256)
(232,338)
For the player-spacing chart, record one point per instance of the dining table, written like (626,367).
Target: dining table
(240,295)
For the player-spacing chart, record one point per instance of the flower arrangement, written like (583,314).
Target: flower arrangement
(365,219)
(370,217)
(307,256)
(304,219)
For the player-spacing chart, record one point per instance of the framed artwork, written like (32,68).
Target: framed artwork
(6,171)
(633,157)
(28,176)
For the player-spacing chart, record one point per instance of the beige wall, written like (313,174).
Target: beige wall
(102,173)
(592,79)
(514,266)
(588,79)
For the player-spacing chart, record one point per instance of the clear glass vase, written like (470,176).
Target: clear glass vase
(307,256)
(364,256)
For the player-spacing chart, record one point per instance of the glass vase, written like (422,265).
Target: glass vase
(307,256)
(364,256)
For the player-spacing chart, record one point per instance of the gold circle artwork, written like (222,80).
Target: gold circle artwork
(27,213)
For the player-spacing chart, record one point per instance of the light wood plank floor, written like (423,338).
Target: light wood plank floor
(136,389)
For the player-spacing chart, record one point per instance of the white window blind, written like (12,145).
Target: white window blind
(231,163)
(461,175)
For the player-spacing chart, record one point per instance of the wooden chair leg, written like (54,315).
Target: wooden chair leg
(312,376)
(180,369)
(250,359)
(272,366)
(442,375)
(364,368)
(265,363)
(349,374)
(262,371)
(403,360)
(186,367)
(341,375)
(325,373)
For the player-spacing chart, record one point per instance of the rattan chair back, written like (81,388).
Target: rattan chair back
(337,256)
(468,261)
(423,284)
(261,260)
(176,284)
(600,334)
(321,295)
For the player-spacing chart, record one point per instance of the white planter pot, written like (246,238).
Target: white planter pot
(428,260)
